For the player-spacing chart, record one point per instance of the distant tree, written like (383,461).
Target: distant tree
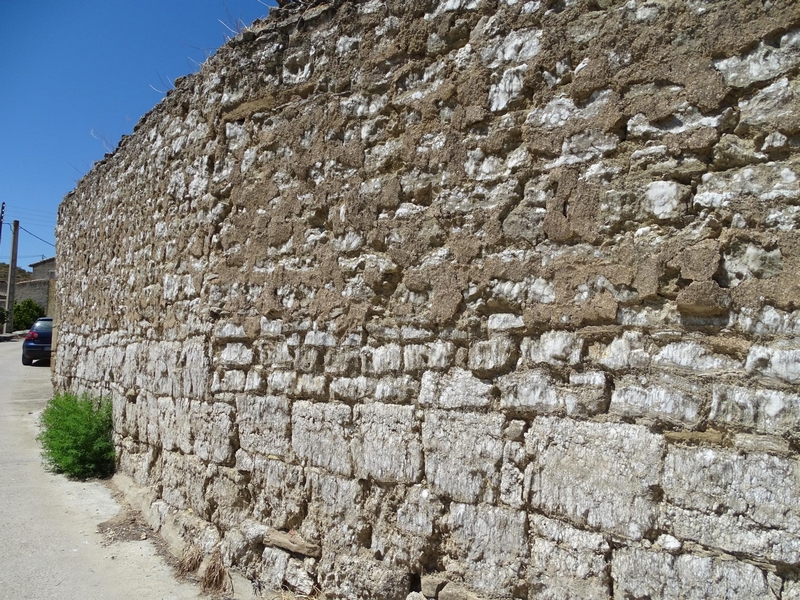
(25,313)
(3,316)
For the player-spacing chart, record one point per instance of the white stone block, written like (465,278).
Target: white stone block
(235,354)
(640,573)
(665,398)
(264,425)
(458,388)
(734,502)
(781,361)
(431,355)
(214,432)
(504,322)
(386,444)
(567,563)
(492,356)
(691,356)
(384,359)
(553,347)
(497,568)
(596,475)
(761,63)
(463,452)
(321,435)
(766,411)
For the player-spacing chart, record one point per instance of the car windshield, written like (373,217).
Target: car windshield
(42,326)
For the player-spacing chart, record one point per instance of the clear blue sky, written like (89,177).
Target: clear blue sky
(75,77)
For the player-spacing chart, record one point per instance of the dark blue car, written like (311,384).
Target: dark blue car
(38,340)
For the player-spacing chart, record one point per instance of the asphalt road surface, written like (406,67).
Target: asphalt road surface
(49,544)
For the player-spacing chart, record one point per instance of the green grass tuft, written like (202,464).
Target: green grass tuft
(76,436)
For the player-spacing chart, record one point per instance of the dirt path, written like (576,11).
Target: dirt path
(50,546)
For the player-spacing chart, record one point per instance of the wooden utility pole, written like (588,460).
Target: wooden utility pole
(12,281)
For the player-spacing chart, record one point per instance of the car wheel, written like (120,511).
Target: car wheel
(26,361)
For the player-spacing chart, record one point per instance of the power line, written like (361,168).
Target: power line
(36,236)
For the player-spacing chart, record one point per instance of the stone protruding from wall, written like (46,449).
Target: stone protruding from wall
(462,299)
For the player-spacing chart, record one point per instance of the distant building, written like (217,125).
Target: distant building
(40,287)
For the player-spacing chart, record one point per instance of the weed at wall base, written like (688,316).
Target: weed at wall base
(76,436)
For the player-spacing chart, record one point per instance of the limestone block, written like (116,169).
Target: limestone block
(308,359)
(294,385)
(458,388)
(321,435)
(596,475)
(273,567)
(195,370)
(264,425)
(148,420)
(271,328)
(431,355)
(235,354)
(184,480)
(567,563)
(276,354)
(334,511)
(226,492)
(343,362)
(254,382)
(512,474)
(490,544)
(361,578)
(665,398)
(320,338)
(535,392)
(279,495)
(631,350)
(386,443)
(141,462)
(402,389)
(781,361)
(504,322)
(738,503)
(695,358)
(553,347)
(454,591)
(665,199)
(229,331)
(297,576)
(743,261)
(214,432)
(232,380)
(791,590)
(493,356)
(463,452)
(773,108)
(403,536)
(766,182)
(761,63)
(641,573)
(419,512)
(383,359)
(508,89)
(764,410)
(352,389)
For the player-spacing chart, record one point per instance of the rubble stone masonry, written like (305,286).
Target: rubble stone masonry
(462,298)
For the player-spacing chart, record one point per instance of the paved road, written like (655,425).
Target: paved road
(49,545)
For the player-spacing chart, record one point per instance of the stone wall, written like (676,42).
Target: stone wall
(37,290)
(461,298)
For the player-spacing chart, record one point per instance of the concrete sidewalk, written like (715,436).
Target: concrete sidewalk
(49,543)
